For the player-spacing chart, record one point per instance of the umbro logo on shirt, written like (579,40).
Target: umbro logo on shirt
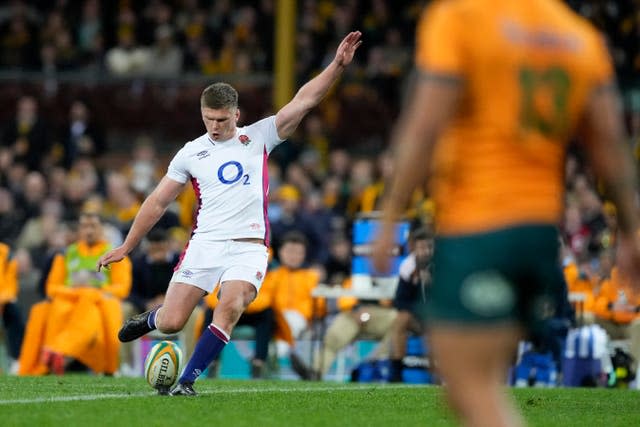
(201,155)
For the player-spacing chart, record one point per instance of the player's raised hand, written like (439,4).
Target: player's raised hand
(114,255)
(347,48)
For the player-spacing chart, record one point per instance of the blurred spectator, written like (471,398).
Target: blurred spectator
(413,283)
(122,204)
(76,191)
(16,41)
(81,136)
(143,170)
(56,177)
(27,135)
(34,234)
(83,314)
(338,266)
(12,320)
(127,58)
(360,178)
(34,192)
(292,300)
(64,234)
(89,27)
(165,58)
(370,319)
(293,218)
(617,309)
(10,220)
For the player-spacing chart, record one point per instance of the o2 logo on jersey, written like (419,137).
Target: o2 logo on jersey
(227,170)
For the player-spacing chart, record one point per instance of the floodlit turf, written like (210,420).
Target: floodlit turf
(80,400)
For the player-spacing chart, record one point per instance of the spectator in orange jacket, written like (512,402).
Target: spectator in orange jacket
(9,310)
(82,314)
(617,308)
(581,283)
(293,303)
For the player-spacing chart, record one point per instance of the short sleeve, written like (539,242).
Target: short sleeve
(267,128)
(438,40)
(177,169)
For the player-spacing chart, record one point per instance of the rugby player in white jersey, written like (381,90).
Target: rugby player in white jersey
(228,170)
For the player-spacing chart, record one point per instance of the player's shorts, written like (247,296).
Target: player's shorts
(505,276)
(206,263)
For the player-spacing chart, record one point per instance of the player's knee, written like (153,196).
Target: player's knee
(249,293)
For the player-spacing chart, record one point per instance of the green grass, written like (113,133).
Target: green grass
(80,400)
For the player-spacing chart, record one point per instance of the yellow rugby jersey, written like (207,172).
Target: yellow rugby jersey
(527,69)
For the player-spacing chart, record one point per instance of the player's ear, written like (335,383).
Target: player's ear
(237,114)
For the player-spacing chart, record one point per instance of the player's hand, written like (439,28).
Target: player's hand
(628,254)
(113,255)
(383,248)
(347,48)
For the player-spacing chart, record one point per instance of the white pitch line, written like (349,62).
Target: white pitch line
(90,397)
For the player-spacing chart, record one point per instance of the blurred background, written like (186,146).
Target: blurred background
(96,96)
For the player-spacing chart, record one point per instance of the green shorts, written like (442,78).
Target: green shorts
(509,275)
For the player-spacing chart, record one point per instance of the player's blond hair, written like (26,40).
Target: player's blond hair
(218,96)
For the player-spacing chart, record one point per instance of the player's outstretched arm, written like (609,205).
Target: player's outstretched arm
(310,95)
(150,212)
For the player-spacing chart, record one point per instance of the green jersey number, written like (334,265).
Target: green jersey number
(545,97)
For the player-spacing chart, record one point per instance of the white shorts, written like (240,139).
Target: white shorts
(205,264)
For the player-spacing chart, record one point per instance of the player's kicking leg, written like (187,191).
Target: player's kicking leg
(169,318)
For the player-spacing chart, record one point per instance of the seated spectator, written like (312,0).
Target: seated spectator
(358,319)
(259,315)
(413,282)
(83,313)
(292,301)
(581,284)
(617,310)
(12,320)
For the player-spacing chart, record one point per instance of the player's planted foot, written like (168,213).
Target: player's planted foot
(183,389)
(136,326)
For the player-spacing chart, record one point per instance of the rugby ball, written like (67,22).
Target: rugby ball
(162,365)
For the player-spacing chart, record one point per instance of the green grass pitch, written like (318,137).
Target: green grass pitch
(83,400)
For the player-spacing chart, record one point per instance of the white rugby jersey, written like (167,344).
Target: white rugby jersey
(230,181)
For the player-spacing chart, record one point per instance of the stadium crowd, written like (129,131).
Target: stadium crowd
(60,155)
